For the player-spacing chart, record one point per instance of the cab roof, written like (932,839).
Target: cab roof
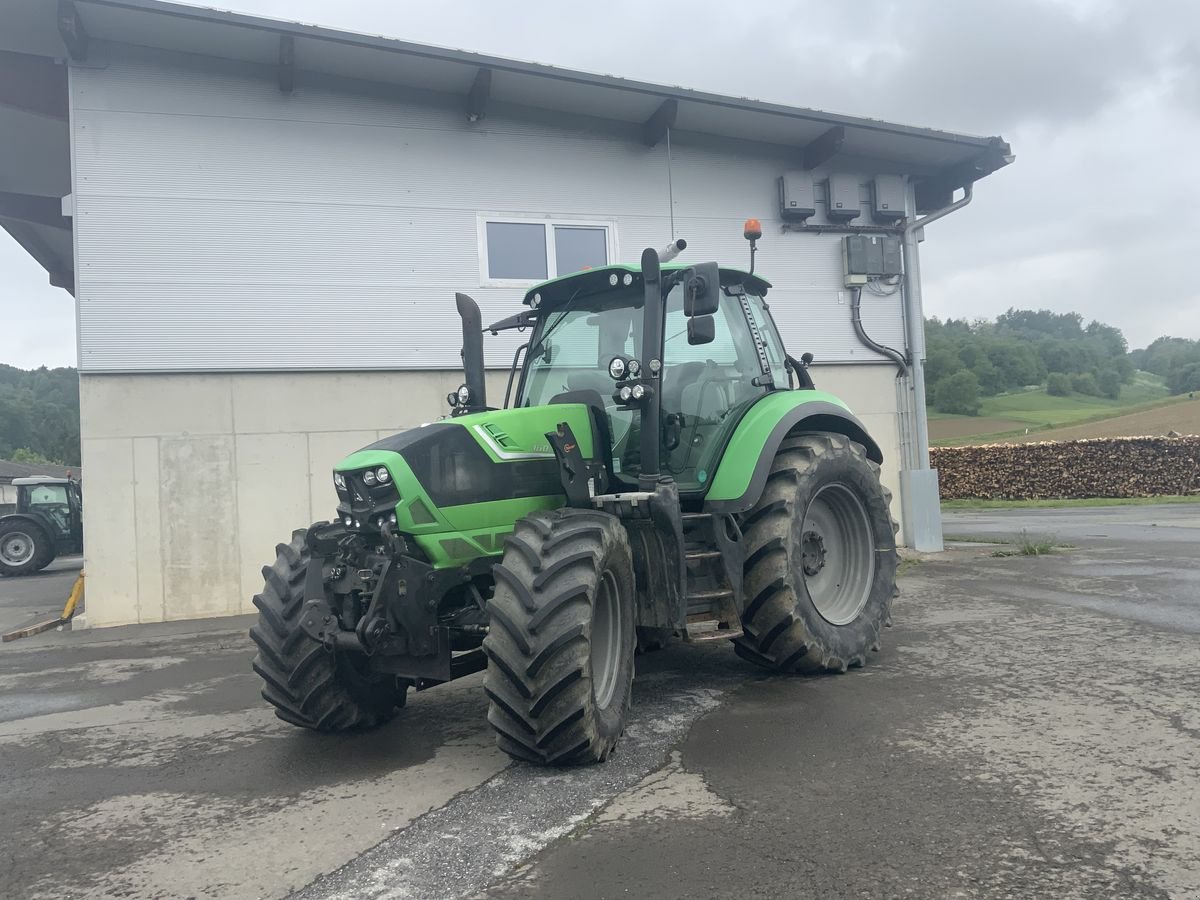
(594,281)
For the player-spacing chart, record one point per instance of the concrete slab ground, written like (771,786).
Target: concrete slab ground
(1030,729)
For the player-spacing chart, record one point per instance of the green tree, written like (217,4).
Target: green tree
(1085,383)
(39,411)
(1184,379)
(1058,384)
(1110,384)
(958,393)
(25,455)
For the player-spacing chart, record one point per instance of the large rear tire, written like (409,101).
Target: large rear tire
(561,638)
(309,686)
(821,559)
(25,547)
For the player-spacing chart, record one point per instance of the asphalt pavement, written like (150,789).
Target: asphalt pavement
(1030,729)
(39,595)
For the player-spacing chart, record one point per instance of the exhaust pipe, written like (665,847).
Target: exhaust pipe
(472,351)
(672,250)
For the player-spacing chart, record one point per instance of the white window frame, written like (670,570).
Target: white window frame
(550,222)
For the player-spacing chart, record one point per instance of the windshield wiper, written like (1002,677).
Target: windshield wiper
(552,327)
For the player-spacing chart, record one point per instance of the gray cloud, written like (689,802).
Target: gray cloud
(1098,97)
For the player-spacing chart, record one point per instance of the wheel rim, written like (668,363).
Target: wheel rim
(838,554)
(16,548)
(606,640)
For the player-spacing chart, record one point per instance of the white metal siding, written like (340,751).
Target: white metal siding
(222,225)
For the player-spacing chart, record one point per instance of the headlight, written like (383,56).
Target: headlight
(625,393)
(339,481)
(383,475)
(635,368)
(617,368)
(452,398)
(368,477)
(464,395)
(638,392)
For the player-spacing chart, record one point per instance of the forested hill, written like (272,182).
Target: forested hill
(1175,359)
(1022,348)
(39,415)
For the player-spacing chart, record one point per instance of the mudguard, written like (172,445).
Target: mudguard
(742,473)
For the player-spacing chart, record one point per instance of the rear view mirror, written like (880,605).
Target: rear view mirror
(702,290)
(702,330)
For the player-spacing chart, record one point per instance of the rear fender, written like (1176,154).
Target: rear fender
(746,462)
(33,520)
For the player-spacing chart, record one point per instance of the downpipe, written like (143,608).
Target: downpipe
(918,482)
(914,319)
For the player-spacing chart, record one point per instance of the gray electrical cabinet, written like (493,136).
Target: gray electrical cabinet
(867,256)
(797,196)
(889,197)
(841,193)
(891,256)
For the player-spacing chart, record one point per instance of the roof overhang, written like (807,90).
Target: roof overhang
(39,34)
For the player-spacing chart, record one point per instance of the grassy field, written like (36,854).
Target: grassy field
(1145,407)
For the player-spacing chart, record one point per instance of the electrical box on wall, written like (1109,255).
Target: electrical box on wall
(842,201)
(888,196)
(796,196)
(892,256)
(869,256)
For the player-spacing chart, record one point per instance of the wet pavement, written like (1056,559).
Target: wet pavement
(1030,729)
(35,596)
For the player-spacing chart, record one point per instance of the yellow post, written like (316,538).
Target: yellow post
(73,598)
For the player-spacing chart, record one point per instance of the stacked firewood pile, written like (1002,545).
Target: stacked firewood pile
(1107,467)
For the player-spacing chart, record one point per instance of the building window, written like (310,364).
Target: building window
(526,251)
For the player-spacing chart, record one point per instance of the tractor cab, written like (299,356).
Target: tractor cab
(587,346)
(48,522)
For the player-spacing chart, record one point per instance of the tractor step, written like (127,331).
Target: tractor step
(710,630)
(708,596)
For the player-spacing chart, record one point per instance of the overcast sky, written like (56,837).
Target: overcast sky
(1099,98)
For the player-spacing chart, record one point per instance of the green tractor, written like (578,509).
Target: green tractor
(665,470)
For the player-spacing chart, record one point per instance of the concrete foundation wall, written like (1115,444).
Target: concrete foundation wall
(193,479)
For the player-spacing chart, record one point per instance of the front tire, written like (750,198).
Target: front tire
(821,559)
(561,638)
(309,686)
(25,548)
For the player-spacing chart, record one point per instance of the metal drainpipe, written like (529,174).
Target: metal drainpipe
(914,320)
(922,512)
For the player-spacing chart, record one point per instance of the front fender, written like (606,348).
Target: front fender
(742,473)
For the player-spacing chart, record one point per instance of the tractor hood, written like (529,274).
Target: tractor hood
(458,485)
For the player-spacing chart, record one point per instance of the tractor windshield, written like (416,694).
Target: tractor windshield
(706,388)
(571,350)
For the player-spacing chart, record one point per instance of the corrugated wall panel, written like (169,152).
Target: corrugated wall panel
(224,226)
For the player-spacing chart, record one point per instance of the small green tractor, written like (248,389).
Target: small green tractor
(664,470)
(48,523)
